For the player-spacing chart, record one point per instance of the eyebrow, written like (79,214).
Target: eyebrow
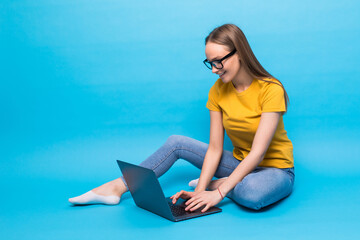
(214,59)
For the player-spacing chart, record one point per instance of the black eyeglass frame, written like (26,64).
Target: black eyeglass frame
(218,61)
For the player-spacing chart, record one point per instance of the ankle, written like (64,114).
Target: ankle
(115,187)
(119,186)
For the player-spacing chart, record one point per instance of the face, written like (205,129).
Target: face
(231,64)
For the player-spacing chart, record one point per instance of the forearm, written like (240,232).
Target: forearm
(244,168)
(211,163)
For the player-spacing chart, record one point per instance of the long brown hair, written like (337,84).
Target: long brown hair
(232,37)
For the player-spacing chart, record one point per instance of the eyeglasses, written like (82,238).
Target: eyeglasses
(217,63)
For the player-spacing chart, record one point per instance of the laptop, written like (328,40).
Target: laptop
(148,194)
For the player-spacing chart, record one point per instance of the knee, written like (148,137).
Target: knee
(250,202)
(249,198)
(175,140)
(253,203)
(255,194)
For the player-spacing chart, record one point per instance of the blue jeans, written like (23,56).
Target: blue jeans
(260,188)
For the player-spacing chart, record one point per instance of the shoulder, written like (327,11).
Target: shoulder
(216,88)
(218,84)
(270,85)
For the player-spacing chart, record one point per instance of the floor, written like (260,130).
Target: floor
(41,175)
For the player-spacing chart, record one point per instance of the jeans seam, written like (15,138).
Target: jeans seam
(190,150)
(163,159)
(171,151)
(224,165)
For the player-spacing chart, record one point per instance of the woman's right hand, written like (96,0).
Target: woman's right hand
(182,194)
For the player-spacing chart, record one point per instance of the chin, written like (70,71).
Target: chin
(225,80)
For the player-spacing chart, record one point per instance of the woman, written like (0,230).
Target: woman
(248,103)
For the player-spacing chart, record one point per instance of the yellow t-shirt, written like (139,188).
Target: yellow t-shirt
(241,117)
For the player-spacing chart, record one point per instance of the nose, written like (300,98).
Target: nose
(214,69)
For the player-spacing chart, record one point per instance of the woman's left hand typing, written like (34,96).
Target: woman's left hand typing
(204,198)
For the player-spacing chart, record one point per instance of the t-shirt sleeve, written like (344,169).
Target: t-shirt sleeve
(273,99)
(212,103)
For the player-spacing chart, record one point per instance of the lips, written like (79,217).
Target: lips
(222,74)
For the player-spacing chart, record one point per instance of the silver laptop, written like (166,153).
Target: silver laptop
(148,194)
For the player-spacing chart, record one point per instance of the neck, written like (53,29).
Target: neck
(242,81)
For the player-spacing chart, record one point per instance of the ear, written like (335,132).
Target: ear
(238,57)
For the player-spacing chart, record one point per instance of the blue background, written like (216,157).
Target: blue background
(84,83)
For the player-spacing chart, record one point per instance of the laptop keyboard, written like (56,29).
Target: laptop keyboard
(177,210)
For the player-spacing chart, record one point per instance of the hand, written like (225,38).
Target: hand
(207,198)
(182,194)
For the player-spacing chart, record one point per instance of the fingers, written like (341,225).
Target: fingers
(183,194)
(206,208)
(176,196)
(194,197)
(194,205)
(195,202)
(200,200)
(197,206)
